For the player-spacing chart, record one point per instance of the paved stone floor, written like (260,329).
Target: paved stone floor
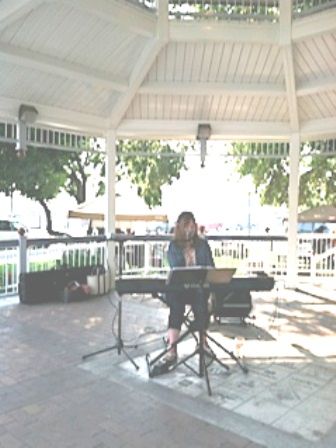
(50,397)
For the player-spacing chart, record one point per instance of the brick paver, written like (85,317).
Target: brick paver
(49,398)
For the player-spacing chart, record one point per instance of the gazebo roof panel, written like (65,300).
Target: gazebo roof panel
(36,87)
(208,107)
(115,62)
(315,57)
(320,105)
(77,37)
(217,62)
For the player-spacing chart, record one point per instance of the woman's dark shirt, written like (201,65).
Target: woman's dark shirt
(202,250)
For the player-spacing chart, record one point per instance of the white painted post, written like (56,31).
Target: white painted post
(22,253)
(110,199)
(294,163)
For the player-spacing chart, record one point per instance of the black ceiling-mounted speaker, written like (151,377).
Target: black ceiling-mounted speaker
(203,134)
(27,115)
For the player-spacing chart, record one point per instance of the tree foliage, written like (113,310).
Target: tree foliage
(148,165)
(44,172)
(271,177)
(157,165)
(79,167)
(38,176)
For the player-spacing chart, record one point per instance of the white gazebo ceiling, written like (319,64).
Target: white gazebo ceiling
(95,65)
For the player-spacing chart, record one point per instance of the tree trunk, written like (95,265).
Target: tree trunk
(49,220)
(81,191)
(81,186)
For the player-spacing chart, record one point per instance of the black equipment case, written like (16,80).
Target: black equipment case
(232,304)
(48,286)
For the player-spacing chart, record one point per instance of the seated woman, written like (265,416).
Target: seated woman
(186,249)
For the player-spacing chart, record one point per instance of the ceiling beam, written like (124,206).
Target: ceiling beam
(55,116)
(317,86)
(124,15)
(211,30)
(187,129)
(210,88)
(317,23)
(48,64)
(229,130)
(11,11)
(288,61)
(143,65)
(318,129)
(237,89)
(288,64)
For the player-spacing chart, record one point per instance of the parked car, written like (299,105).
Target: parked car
(9,229)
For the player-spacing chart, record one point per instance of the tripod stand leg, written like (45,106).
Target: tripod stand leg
(203,369)
(215,358)
(113,347)
(207,380)
(129,358)
(119,346)
(231,354)
(167,349)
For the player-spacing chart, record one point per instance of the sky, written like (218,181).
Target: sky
(214,193)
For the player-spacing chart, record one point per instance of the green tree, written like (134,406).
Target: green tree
(43,173)
(148,164)
(157,165)
(79,167)
(271,176)
(39,176)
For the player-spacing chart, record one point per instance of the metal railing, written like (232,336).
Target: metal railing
(50,137)
(242,10)
(246,10)
(25,255)
(307,7)
(9,267)
(147,256)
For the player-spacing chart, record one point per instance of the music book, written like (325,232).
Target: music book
(199,275)
(220,275)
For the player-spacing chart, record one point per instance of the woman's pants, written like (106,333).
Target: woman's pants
(199,303)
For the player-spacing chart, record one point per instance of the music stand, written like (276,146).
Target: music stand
(189,277)
(120,345)
(186,279)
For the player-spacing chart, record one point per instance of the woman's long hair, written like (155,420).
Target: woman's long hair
(179,233)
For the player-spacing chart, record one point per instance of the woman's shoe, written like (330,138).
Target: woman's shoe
(164,366)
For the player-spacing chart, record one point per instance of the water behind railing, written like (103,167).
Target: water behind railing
(143,256)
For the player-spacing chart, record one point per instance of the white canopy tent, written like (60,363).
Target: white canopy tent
(156,69)
(127,215)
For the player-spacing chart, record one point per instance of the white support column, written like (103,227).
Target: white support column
(110,198)
(23,262)
(288,61)
(293,193)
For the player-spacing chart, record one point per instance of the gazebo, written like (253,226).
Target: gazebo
(258,71)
